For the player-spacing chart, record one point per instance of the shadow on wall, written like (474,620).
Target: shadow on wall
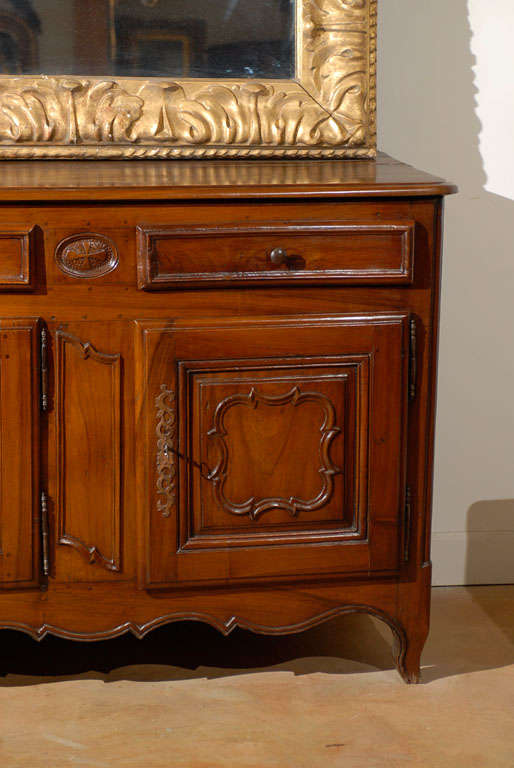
(428,117)
(490,542)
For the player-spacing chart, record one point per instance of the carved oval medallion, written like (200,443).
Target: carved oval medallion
(86,255)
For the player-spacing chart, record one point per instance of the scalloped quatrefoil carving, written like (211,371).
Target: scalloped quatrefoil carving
(254,507)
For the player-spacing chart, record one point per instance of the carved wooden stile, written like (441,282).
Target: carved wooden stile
(45,534)
(413,359)
(166,450)
(43,361)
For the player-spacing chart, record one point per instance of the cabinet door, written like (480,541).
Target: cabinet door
(19,453)
(271,448)
(89,365)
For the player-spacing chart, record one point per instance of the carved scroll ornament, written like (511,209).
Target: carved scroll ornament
(255,507)
(328,110)
(165,464)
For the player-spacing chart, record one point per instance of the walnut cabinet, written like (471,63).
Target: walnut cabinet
(217,395)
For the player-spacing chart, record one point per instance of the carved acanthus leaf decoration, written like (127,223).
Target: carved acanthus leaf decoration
(328,110)
(339,63)
(66,110)
(233,114)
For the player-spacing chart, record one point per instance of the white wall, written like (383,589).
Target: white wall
(447,105)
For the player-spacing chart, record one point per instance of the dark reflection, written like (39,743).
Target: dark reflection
(20,28)
(167,38)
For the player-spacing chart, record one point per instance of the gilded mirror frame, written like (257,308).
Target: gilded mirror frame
(327,110)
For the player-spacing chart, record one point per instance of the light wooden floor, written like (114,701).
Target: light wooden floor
(328,697)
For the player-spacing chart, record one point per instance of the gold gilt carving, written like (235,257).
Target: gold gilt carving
(328,110)
(166,449)
(255,507)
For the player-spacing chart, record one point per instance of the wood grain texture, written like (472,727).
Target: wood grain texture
(283,510)
(282,468)
(19,453)
(351,253)
(276,437)
(217,179)
(88,412)
(17,255)
(86,255)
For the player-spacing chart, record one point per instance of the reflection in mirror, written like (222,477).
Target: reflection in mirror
(162,38)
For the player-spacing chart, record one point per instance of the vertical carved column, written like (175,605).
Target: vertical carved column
(166,447)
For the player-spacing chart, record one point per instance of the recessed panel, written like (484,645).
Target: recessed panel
(352,252)
(88,410)
(16,259)
(278,451)
(19,451)
(258,456)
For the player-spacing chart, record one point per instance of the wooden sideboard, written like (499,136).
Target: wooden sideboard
(217,393)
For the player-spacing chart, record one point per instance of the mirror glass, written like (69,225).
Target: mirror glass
(146,38)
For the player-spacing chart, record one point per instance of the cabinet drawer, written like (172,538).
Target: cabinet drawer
(354,252)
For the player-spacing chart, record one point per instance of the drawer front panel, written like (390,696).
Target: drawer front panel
(370,252)
(271,448)
(16,259)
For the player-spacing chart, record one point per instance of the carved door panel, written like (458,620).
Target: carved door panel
(271,448)
(19,451)
(90,361)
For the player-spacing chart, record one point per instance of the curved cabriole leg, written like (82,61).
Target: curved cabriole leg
(414,618)
(408,657)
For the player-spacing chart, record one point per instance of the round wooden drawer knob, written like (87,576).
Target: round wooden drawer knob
(278,256)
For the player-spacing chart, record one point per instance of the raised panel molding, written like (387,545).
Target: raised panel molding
(18,248)
(277,507)
(95,507)
(255,507)
(274,444)
(19,453)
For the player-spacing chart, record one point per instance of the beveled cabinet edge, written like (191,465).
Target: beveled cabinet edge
(147,280)
(328,110)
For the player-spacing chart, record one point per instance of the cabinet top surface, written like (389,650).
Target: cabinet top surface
(180,180)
